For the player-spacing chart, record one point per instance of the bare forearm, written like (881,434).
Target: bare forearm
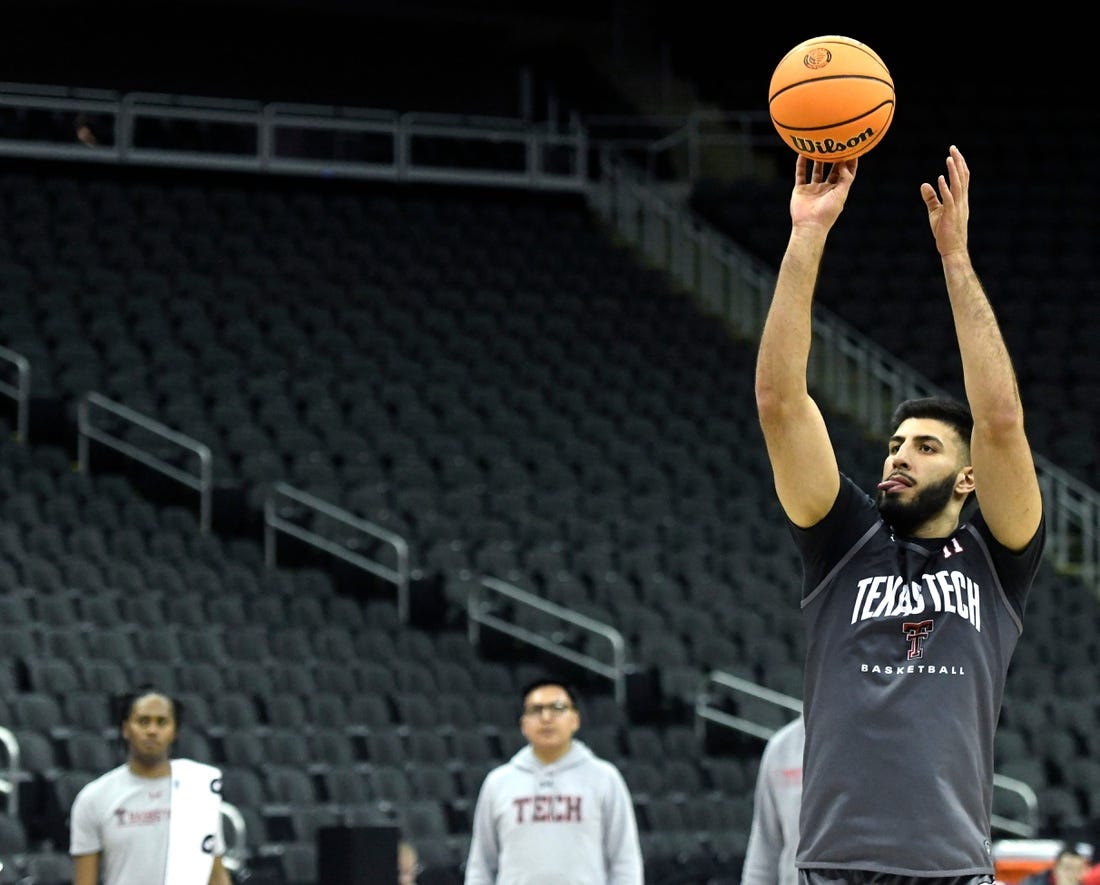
(785,341)
(86,869)
(988,374)
(803,463)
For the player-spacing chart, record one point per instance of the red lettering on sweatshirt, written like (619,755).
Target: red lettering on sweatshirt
(553,809)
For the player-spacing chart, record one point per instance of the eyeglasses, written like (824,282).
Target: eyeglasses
(555,709)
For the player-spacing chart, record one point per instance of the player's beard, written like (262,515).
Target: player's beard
(907,516)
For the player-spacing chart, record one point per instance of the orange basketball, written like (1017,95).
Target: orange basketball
(831,98)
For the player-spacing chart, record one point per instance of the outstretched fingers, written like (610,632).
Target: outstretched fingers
(954,186)
(945,189)
(928,194)
(959,175)
(948,204)
(957,163)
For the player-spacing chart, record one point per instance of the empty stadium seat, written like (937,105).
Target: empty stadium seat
(287,746)
(89,710)
(253,679)
(427,745)
(329,748)
(285,711)
(52,675)
(241,748)
(368,711)
(38,711)
(385,746)
(287,785)
(297,862)
(454,709)
(200,676)
(20,641)
(422,818)
(416,709)
(389,782)
(346,784)
(243,786)
(13,837)
(91,751)
(233,709)
(476,745)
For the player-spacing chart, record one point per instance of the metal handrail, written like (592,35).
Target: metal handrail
(480,612)
(1027,828)
(705,712)
(236,851)
(20,391)
(259,150)
(736,138)
(275,522)
(11,774)
(201,482)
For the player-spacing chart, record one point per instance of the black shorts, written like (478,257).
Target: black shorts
(869,877)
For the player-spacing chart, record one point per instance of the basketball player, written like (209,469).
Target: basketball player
(912,607)
(554,812)
(122,821)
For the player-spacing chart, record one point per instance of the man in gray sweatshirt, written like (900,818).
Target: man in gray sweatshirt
(555,813)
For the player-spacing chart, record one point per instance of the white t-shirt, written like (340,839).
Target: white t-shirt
(125,818)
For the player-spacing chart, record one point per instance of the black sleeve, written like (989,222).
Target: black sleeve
(1016,571)
(821,545)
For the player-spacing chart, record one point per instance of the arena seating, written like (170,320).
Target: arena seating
(488,374)
(630,482)
(293,761)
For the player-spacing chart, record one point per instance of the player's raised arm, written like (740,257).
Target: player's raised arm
(803,463)
(1004,470)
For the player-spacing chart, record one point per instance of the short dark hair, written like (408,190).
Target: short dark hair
(570,691)
(952,412)
(124,703)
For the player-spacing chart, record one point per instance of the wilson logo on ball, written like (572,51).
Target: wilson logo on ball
(830,146)
(817,58)
(831,97)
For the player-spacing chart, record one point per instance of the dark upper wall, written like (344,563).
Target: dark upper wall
(353,51)
(325,50)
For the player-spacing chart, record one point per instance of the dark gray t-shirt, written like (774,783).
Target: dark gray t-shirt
(908,643)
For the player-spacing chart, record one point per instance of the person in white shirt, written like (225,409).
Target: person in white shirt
(121,825)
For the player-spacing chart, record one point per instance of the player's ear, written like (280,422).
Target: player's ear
(964,482)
